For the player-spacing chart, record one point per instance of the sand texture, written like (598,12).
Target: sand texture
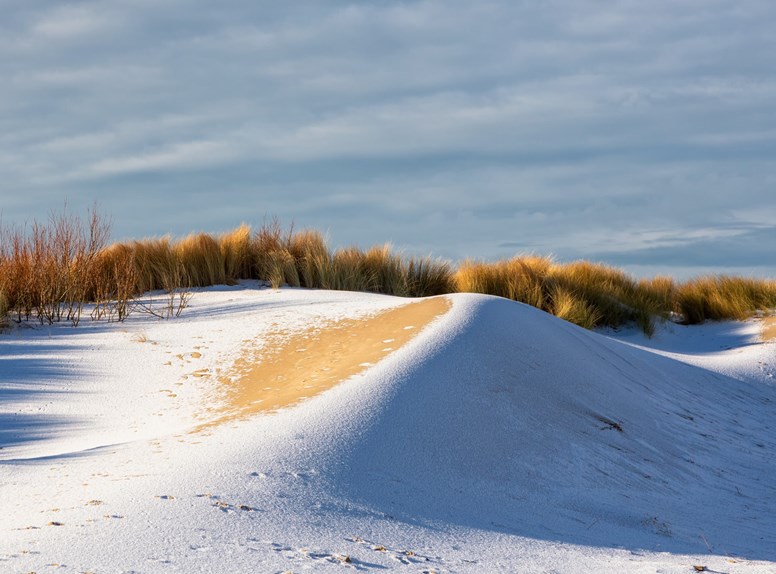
(769,329)
(287,370)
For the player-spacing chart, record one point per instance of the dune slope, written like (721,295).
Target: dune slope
(525,424)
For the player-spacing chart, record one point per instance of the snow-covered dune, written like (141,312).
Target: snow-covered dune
(498,439)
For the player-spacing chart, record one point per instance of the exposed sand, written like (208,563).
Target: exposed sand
(769,329)
(311,362)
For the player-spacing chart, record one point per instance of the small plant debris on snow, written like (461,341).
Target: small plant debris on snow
(610,424)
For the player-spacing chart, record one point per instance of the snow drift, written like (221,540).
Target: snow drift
(500,437)
(523,423)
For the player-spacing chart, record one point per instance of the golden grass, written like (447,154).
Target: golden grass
(427,276)
(272,259)
(568,306)
(388,271)
(154,261)
(520,279)
(235,247)
(724,297)
(50,270)
(347,271)
(312,257)
(202,259)
(587,294)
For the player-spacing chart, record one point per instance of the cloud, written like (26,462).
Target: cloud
(745,248)
(467,129)
(69,22)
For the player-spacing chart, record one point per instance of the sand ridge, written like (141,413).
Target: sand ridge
(287,370)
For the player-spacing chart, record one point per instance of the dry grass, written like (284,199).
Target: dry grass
(723,297)
(50,270)
(201,257)
(427,276)
(568,306)
(272,259)
(609,293)
(387,269)
(347,271)
(587,294)
(520,279)
(154,260)
(312,257)
(235,248)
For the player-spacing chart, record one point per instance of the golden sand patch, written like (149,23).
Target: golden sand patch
(289,370)
(769,329)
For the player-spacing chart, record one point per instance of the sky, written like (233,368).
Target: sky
(640,134)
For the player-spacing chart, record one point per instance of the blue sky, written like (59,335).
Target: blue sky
(642,134)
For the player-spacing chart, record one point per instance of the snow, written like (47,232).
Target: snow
(499,439)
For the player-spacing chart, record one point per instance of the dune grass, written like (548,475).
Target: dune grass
(723,297)
(235,248)
(49,271)
(587,294)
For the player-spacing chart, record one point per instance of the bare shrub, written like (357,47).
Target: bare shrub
(3,308)
(114,281)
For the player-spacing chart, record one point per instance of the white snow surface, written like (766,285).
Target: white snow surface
(500,439)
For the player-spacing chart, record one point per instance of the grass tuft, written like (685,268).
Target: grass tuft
(201,257)
(235,247)
(154,260)
(312,257)
(723,297)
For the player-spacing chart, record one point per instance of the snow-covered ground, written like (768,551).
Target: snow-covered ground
(499,439)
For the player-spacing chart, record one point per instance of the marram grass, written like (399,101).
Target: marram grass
(49,271)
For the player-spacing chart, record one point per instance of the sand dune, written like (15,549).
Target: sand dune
(498,438)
